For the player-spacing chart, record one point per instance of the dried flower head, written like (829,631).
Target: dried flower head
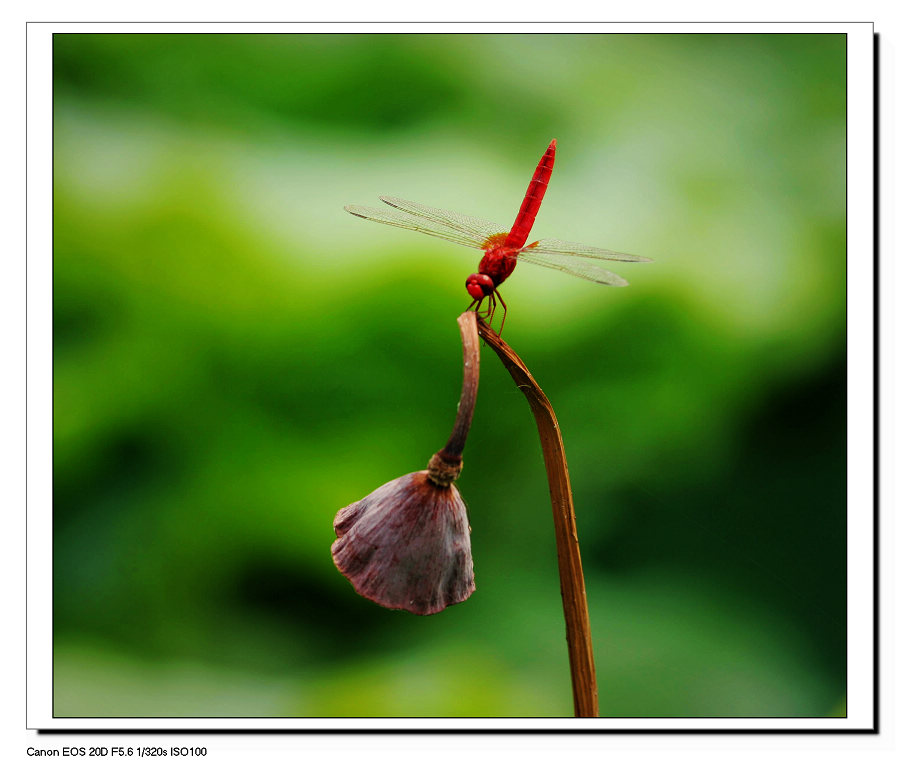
(406,545)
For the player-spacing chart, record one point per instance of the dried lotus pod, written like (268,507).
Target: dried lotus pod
(406,545)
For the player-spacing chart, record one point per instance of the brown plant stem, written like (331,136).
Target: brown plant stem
(444,466)
(571,575)
(471,359)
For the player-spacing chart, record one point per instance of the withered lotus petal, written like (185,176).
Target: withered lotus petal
(406,545)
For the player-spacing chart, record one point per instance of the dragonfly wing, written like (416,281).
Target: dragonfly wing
(557,247)
(574,265)
(402,219)
(471,226)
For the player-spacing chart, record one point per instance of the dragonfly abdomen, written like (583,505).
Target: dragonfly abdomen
(518,234)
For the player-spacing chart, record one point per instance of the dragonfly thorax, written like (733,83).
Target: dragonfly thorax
(498,263)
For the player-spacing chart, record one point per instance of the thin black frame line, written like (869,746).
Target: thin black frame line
(450,34)
(781,23)
(876,480)
(442,732)
(26,392)
(52,371)
(876,250)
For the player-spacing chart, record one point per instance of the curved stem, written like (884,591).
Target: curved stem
(571,575)
(471,359)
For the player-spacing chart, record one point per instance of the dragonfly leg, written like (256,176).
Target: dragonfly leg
(492,307)
(477,304)
(503,320)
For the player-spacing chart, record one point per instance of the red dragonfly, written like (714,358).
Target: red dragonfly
(502,249)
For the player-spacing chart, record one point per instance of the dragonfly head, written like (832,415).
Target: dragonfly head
(479,286)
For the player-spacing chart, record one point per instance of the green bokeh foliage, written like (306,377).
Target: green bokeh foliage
(236,359)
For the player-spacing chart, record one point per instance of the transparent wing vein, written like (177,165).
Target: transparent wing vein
(452,226)
(467,224)
(557,247)
(570,264)
(402,220)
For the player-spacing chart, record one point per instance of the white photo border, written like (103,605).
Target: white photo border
(862,621)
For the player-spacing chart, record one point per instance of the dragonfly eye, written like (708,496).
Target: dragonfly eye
(479,286)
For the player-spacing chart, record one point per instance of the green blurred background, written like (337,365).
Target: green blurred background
(236,358)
